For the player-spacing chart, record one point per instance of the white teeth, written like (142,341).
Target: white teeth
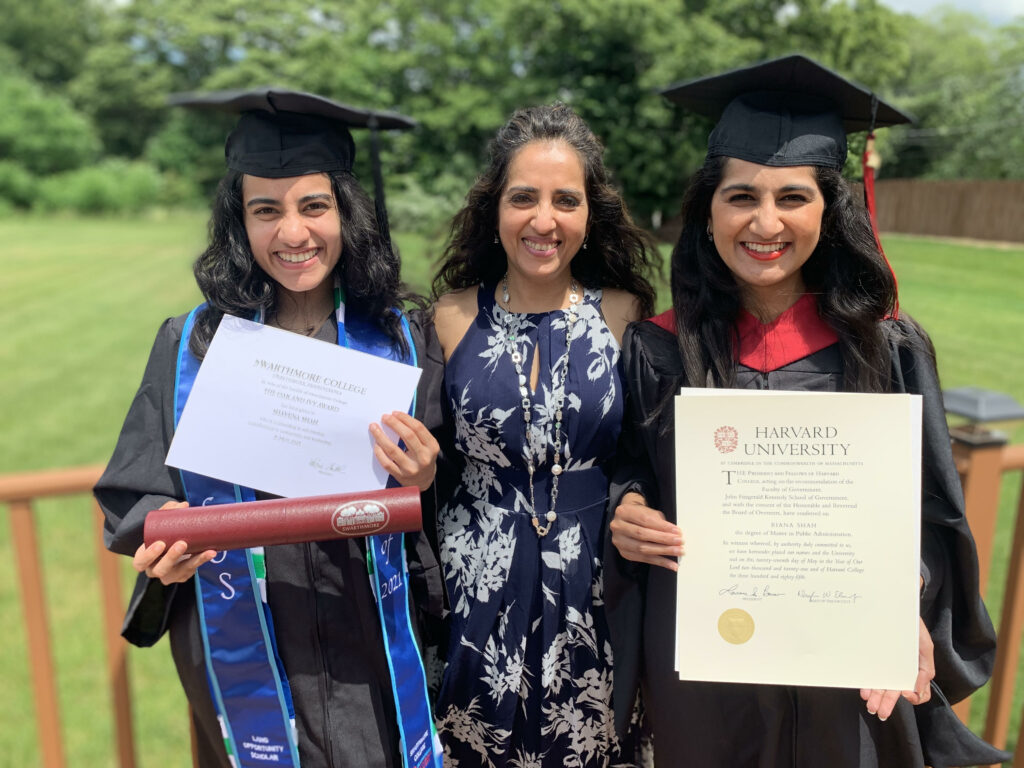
(296,258)
(764,247)
(540,246)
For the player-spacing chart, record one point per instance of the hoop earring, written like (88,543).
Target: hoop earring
(496,240)
(585,242)
(710,236)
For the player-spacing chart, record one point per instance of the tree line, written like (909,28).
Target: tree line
(84,83)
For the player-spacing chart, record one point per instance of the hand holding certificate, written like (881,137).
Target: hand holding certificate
(287,414)
(801,513)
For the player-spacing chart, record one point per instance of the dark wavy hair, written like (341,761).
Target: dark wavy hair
(233,282)
(853,283)
(619,254)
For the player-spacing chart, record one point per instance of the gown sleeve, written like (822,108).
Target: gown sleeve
(647,364)
(951,603)
(136,481)
(426,582)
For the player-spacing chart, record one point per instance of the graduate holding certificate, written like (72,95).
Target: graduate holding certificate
(299,653)
(778,283)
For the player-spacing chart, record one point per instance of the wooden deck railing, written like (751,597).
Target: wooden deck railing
(19,492)
(982,460)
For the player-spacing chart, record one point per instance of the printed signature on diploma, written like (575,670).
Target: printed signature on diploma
(828,596)
(326,467)
(753,593)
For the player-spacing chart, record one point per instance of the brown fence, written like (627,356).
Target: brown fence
(982,210)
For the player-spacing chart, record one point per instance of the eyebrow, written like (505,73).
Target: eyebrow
(303,199)
(534,190)
(785,189)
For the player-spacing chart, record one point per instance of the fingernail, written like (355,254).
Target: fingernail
(882,719)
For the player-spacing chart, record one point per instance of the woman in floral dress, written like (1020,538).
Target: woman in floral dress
(543,271)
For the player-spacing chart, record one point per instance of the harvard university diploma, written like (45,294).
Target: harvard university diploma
(801,516)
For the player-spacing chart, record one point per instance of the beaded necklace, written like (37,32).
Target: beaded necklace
(557,393)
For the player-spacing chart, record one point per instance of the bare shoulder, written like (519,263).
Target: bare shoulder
(619,309)
(453,314)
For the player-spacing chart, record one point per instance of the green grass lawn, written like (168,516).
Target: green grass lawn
(82,299)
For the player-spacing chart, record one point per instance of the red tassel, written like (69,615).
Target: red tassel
(870,161)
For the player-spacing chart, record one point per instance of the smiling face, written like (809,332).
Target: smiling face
(294,228)
(766,223)
(542,214)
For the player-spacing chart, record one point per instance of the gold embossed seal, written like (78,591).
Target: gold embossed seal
(736,626)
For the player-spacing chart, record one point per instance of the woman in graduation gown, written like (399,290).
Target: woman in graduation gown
(778,284)
(294,243)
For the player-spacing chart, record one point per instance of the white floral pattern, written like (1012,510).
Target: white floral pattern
(528,682)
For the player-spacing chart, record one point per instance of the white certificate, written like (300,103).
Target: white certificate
(287,414)
(801,517)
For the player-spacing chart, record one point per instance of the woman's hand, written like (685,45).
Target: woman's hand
(644,535)
(881,703)
(170,565)
(417,464)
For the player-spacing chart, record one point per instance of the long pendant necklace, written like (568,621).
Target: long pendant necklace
(558,382)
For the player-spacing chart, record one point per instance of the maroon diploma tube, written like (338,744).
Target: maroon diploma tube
(287,521)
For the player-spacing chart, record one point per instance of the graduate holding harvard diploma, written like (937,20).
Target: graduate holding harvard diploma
(778,284)
(289,654)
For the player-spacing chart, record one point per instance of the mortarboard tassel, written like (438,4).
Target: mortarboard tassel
(378,182)
(871,160)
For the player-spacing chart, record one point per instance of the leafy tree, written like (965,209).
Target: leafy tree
(151,48)
(965,85)
(42,132)
(49,38)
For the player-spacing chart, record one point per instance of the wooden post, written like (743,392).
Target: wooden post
(117,663)
(980,450)
(983,452)
(193,738)
(33,602)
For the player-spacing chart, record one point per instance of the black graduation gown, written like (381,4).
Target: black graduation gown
(716,725)
(327,629)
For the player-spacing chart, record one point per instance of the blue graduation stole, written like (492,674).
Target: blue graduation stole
(247,679)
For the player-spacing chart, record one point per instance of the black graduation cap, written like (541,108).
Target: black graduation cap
(283,133)
(784,112)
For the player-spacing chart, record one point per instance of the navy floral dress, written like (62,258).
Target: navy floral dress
(529,675)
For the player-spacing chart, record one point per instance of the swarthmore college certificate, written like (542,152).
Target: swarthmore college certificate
(801,517)
(286,414)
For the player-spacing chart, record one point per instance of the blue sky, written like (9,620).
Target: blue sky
(996,11)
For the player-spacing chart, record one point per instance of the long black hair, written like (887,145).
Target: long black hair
(233,282)
(619,253)
(854,286)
